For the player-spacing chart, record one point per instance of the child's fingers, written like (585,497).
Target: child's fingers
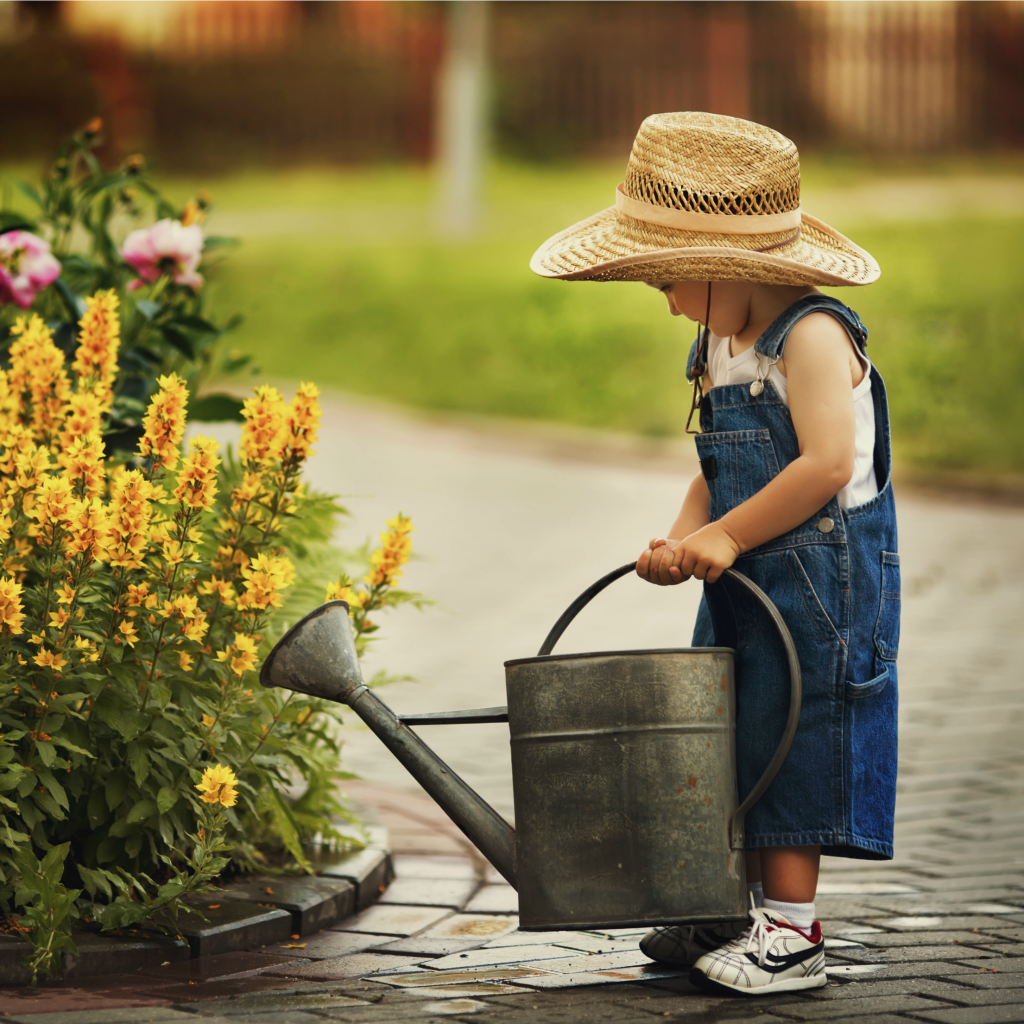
(643,564)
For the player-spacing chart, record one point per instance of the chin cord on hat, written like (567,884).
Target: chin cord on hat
(700,365)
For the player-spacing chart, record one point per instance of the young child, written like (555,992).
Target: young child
(794,491)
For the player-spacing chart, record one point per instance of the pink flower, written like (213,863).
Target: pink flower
(26,267)
(168,247)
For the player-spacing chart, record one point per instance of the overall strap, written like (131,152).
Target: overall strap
(771,343)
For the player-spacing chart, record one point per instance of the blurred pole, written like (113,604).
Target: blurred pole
(462,116)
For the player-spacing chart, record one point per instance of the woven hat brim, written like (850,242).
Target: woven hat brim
(611,246)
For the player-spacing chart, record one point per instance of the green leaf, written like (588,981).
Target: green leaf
(97,810)
(219,242)
(141,811)
(74,305)
(121,828)
(47,752)
(166,799)
(95,880)
(288,827)
(11,221)
(46,777)
(216,408)
(175,337)
(29,191)
(148,308)
(68,745)
(197,323)
(138,758)
(115,789)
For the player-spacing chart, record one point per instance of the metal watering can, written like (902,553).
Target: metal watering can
(623,769)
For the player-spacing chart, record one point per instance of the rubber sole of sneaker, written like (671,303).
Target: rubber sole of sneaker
(706,984)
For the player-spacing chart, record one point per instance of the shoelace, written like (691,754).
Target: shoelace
(758,935)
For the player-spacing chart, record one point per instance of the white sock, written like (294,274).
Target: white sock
(757,890)
(799,914)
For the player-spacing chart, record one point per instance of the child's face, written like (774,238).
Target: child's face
(730,303)
(685,298)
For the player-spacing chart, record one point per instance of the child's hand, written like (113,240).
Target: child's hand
(705,554)
(657,563)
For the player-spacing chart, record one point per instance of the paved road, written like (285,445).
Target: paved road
(509,532)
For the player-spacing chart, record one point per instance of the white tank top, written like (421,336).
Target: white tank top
(726,368)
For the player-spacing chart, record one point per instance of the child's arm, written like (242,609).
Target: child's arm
(820,361)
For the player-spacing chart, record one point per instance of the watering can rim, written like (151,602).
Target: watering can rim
(618,654)
(322,609)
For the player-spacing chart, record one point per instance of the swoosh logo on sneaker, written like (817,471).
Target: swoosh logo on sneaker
(776,964)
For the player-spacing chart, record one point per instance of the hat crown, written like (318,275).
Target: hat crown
(710,163)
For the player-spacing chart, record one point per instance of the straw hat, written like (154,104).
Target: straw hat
(706,198)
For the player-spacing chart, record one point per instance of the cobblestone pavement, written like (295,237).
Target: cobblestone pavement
(510,537)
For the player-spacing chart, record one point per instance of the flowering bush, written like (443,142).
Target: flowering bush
(138,592)
(69,248)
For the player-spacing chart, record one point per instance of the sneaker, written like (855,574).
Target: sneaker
(772,955)
(684,945)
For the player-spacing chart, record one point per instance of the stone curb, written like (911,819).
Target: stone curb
(247,914)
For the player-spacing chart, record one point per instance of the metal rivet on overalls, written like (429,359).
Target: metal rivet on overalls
(826,525)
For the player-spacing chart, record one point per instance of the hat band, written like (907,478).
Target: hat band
(711,223)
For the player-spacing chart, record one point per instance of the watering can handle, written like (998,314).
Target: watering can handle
(795,685)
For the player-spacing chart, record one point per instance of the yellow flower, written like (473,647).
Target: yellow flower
(52,507)
(185,661)
(394,552)
(217,786)
(59,618)
(241,654)
(195,629)
(30,463)
(82,417)
(263,430)
(342,591)
(99,335)
(137,594)
(50,659)
(11,614)
(87,649)
(301,424)
(197,481)
(252,488)
(66,593)
(88,531)
(131,496)
(183,606)
(131,634)
(222,589)
(82,459)
(208,721)
(37,370)
(164,422)
(264,576)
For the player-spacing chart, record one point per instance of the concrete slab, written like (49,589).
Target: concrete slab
(475,926)
(398,921)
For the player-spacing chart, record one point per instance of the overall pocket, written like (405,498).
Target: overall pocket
(736,464)
(887,625)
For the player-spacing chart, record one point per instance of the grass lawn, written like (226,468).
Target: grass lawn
(347,284)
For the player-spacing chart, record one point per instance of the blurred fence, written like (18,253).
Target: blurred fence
(213,85)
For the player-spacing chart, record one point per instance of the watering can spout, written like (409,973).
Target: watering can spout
(317,656)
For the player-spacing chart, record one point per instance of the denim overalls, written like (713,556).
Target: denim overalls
(836,581)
